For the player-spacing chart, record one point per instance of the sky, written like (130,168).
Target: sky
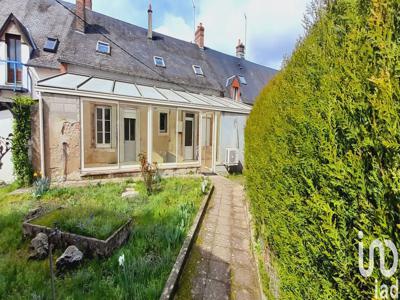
(273,26)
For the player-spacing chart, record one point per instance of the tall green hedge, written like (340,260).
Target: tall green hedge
(21,135)
(323,153)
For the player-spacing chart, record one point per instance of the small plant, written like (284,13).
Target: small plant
(150,173)
(41,186)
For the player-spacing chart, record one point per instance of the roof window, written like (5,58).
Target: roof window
(198,70)
(103,47)
(51,45)
(159,61)
(242,79)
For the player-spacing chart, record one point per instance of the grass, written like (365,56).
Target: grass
(92,222)
(160,221)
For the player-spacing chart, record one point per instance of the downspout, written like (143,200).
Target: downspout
(41,133)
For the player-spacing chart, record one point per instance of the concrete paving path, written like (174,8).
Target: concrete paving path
(221,264)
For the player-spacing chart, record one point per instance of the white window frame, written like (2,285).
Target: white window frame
(104,144)
(155,61)
(159,122)
(195,72)
(104,44)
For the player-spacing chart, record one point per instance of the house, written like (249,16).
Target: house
(108,90)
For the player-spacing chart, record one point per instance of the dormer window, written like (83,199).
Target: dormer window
(103,47)
(242,80)
(51,45)
(159,61)
(198,70)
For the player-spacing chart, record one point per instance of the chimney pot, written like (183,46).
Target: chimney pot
(88,4)
(240,49)
(150,23)
(199,36)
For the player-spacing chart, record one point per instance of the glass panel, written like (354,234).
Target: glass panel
(68,81)
(126,89)
(133,133)
(164,135)
(100,137)
(132,129)
(150,92)
(189,132)
(207,138)
(163,122)
(107,126)
(98,85)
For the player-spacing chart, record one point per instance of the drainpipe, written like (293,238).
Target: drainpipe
(41,128)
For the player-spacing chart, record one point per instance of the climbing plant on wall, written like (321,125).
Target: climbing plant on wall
(323,152)
(20,143)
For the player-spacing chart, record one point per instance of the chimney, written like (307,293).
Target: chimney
(88,4)
(80,11)
(150,23)
(240,49)
(199,36)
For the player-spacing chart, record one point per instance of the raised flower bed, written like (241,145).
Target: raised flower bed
(93,235)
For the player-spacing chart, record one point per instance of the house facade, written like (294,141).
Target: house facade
(108,90)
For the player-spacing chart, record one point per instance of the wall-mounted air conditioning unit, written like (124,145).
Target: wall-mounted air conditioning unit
(231,157)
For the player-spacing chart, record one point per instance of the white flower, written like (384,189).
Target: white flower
(121,260)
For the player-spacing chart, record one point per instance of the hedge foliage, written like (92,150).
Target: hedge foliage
(21,135)
(323,153)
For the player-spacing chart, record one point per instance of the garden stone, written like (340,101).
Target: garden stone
(71,258)
(39,247)
(130,193)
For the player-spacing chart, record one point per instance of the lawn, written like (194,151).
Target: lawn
(161,222)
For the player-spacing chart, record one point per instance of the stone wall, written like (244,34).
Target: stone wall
(62,137)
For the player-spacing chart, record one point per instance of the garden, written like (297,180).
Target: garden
(137,270)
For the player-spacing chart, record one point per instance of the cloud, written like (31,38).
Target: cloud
(272,30)
(175,26)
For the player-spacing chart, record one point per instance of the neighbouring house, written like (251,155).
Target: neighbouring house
(108,90)
(6,121)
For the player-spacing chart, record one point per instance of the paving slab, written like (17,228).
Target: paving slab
(222,266)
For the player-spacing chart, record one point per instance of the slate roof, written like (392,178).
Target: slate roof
(47,18)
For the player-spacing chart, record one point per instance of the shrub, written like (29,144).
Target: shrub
(41,187)
(150,173)
(322,151)
(21,135)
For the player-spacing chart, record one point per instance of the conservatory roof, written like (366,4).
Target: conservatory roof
(83,85)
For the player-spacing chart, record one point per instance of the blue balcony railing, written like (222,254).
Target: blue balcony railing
(15,75)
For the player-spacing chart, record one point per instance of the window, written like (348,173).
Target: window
(130,129)
(163,124)
(103,47)
(235,95)
(198,70)
(159,61)
(103,127)
(14,66)
(242,80)
(51,45)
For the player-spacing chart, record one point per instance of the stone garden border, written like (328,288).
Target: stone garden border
(92,247)
(177,270)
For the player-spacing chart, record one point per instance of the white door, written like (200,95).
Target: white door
(189,140)
(129,135)
(130,139)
